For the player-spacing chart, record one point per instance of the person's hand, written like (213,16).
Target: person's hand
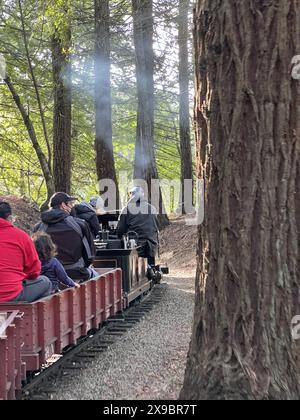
(100,212)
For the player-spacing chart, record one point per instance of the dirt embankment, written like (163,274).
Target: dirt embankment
(26,213)
(178,245)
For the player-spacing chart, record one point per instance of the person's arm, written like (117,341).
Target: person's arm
(87,233)
(95,225)
(62,276)
(32,265)
(156,224)
(122,227)
(36,227)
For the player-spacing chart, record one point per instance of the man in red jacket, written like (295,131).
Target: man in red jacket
(20,266)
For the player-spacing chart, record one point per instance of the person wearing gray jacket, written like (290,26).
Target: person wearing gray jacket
(140,217)
(86,211)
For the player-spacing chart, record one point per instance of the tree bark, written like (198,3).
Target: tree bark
(62,113)
(248,141)
(104,145)
(145,164)
(184,100)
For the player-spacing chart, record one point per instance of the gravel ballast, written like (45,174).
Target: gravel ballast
(148,361)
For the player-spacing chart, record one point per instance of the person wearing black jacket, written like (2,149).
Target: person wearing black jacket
(86,212)
(71,235)
(140,217)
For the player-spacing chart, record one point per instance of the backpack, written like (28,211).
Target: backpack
(71,222)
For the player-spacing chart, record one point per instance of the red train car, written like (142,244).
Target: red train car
(12,369)
(58,321)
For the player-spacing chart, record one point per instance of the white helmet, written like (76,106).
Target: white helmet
(97,202)
(137,192)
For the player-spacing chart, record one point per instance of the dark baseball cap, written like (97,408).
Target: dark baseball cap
(60,197)
(5,210)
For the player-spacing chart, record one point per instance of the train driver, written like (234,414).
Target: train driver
(140,217)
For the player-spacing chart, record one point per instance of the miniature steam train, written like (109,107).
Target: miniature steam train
(30,333)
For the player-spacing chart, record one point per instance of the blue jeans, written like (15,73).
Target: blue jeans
(93,272)
(34,289)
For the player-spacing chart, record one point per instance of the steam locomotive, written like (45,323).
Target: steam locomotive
(123,253)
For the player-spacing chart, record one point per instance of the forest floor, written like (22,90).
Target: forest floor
(158,345)
(178,244)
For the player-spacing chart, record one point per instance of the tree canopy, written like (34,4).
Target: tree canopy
(27,28)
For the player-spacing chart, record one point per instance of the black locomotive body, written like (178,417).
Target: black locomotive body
(113,252)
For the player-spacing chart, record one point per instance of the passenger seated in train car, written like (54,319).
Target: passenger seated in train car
(89,212)
(71,235)
(98,205)
(140,217)
(51,267)
(20,267)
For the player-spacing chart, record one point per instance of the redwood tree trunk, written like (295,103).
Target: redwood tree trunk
(184,100)
(144,167)
(103,104)
(248,142)
(145,164)
(62,115)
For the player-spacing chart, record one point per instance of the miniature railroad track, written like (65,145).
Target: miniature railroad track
(40,387)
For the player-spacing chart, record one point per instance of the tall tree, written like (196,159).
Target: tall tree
(33,138)
(103,103)
(23,106)
(184,100)
(62,111)
(145,164)
(34,82)
(248,144)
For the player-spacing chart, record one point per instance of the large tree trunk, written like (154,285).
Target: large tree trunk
(248,142)
(62,114)
(184,100)
(145,164)
(104,147)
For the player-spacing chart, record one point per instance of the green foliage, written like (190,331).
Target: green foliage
(58,16)
(20,171)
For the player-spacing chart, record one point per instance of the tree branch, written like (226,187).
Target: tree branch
(35,86)
(32,135)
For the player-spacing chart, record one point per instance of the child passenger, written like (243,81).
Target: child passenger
(51,267)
